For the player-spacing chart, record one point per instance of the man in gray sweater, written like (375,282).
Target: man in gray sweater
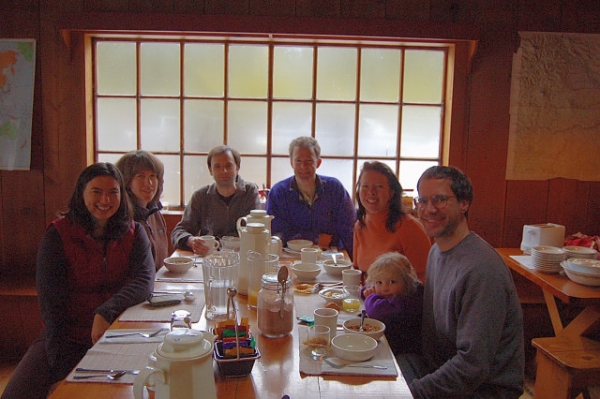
(215,208)
(472,345)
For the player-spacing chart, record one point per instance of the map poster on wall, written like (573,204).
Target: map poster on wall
(555,108)
(17,76)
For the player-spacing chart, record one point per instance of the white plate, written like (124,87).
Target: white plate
(575,250)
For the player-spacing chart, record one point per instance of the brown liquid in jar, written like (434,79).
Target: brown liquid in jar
(272,325)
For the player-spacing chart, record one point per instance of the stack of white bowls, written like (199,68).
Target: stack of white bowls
(547,259)
(580,252)
(583,271)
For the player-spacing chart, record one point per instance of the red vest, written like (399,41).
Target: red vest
(94,273)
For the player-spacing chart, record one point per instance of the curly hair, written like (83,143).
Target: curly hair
(78,213)
(399,267)
(396,210)
(134,162)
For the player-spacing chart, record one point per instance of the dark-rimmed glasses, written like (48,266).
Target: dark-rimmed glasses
(438,201)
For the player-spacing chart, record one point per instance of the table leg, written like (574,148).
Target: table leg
(587,323)
(553,312)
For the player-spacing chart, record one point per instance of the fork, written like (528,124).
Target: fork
(111,376)
(145,335)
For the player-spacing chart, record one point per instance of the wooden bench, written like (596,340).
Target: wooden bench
(566,366)
(21,320)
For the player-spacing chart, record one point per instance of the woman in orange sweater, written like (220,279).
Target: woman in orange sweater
(382,224)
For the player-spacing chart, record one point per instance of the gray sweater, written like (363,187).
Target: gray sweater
(472,325)
(207,213)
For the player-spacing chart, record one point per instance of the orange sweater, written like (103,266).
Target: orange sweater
(374,239)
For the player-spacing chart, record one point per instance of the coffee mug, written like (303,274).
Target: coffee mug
(309,255)
(211,242)
(327,317)
(351,277)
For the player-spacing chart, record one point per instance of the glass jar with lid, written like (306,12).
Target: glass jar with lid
(275,308)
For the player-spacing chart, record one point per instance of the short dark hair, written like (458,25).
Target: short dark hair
(395,210)
(459,182)
(133,162)
(78,213)
(220,150)
(305,142)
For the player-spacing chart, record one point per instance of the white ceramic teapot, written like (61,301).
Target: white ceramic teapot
(181,366)
(253,237)
(255,216)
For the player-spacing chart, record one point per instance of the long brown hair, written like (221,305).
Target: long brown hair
(78,212)
(395,211)
(133,162)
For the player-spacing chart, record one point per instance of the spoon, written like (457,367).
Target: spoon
(231,293)
(282,276)
(111,376)
(338,364)
(334,256)
(362,320)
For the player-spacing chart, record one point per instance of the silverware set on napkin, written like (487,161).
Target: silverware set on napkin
(102,373)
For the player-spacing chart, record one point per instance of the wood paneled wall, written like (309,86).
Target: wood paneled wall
(28,200)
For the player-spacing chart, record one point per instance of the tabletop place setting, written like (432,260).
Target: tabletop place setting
(237,304)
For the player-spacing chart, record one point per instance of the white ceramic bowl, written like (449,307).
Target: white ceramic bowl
(297,245)
(336,270)
(354,347)
(374,328)
(574,251)
(586,266)
(306,271)
(177,264)
(581,278)
(334,294)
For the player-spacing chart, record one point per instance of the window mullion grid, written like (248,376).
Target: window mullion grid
(182,96)
(138,99)
(357,132)
(226,93)
(313,124)
(269,151)
(400,111)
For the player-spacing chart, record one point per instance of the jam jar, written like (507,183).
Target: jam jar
(275,318)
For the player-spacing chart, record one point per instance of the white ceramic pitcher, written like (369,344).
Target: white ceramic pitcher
(181,367)
(253,237)
(256,216)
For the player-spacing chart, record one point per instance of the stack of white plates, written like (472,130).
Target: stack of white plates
(580,252)
(547,259)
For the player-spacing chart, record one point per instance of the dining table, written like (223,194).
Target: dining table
(279,371)
(557,286)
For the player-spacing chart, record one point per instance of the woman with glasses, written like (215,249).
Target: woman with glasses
(383,225)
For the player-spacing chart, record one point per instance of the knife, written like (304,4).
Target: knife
(84,370)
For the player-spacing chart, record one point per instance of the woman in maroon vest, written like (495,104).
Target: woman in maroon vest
(93,262)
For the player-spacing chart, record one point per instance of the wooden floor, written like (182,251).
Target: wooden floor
(7,368)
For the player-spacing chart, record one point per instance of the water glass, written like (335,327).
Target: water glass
(259,265)
(220,271)
(318,341)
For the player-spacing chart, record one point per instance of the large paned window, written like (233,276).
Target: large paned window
(362,100)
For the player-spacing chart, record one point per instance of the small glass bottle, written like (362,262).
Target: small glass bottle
(274,319)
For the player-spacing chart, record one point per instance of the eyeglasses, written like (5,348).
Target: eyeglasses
(438,201)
